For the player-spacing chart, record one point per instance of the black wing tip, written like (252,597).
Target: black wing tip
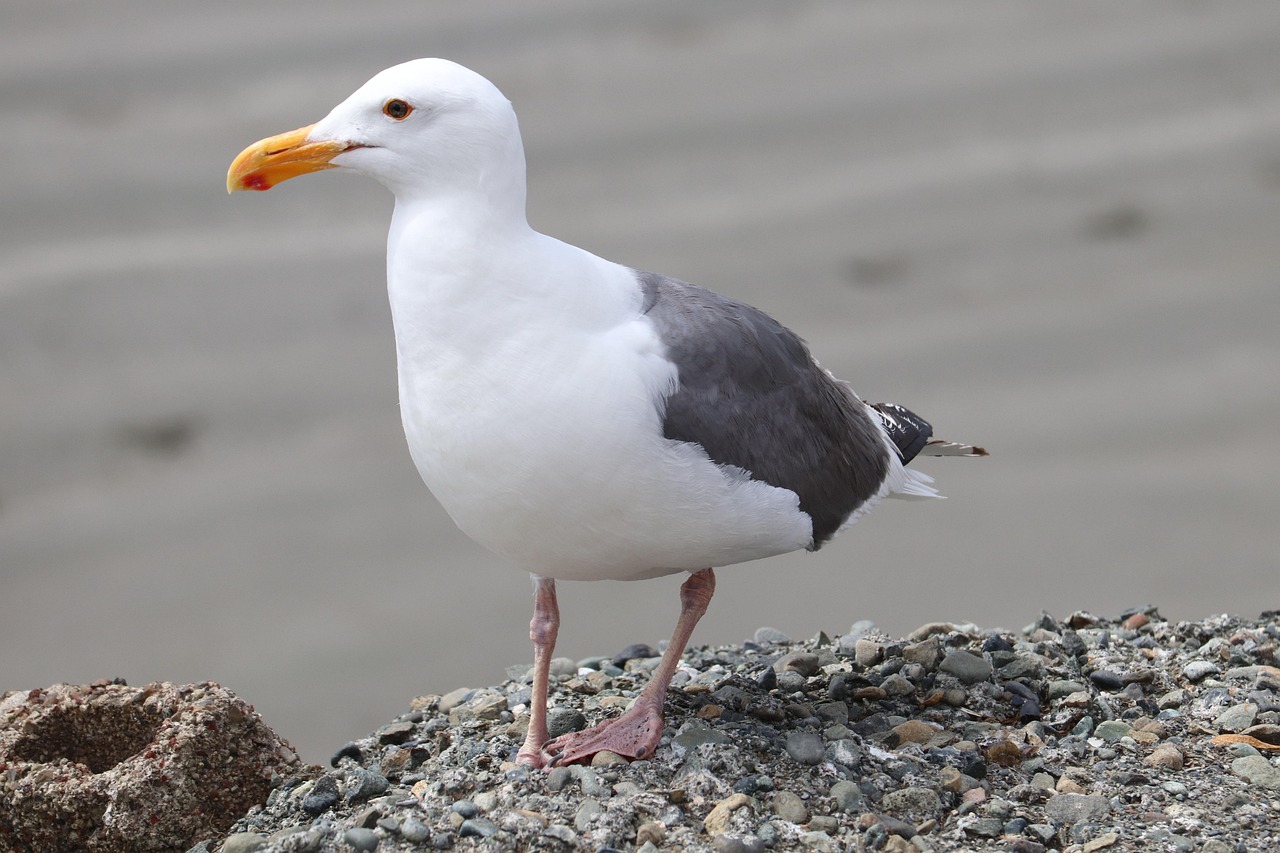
(908,431)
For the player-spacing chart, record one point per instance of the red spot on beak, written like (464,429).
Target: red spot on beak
(255,181)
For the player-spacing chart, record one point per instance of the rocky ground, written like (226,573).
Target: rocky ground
(1089,734)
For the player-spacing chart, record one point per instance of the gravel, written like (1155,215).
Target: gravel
(1087,734)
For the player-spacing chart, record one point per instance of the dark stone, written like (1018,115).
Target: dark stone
(323,795)
(633,651)
(1105,679)
(351,751)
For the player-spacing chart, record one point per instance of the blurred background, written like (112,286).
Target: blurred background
(1052,229)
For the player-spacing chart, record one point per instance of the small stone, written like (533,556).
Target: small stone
(360,838)
(1198,670)
(466,808)
(966,666)
(693,735)
(771,636)
(1107,679)
(652,832)
(914,731)
(1067,785)
(477,827)
(1166,756)
(986,827)
(558,778)
(717,820)
(1172,699)
(561,721)
(1101,842)
(1256,770)
(928,653)
(586,811)
(396,733)
(789,807)
(608,758)
(805,663)
(323,795)
(561,833)
(868,652)
(1111,731)
(806,747)
(244,842)
(897,685)
(914,801)
(363,784)
(1062,688)
(1238,718)
(848,796)
(1071,809)
(414,831)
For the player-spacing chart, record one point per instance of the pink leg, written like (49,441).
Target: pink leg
(636,733)
(542,631)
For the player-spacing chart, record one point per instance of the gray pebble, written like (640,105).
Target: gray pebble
(414,830)
(1237,719)
(1197,670)
(915,801)
(1257,771)
(363,784)
(323,795)
(806,747)
(560,832)
(1071,809)
(770,636)
(1112,730)
(466,808)
(244,842)
(561,721)
(790,807)
(790,681)
(477,827)
(848,796)
(966,666)
(985,827)
(361,839)
(558,778)
(589,809)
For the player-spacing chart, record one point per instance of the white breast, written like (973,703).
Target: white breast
(532,408)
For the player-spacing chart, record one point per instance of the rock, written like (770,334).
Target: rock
(1105,679)
(806,747)
(913,731)
(414,830)
(561,721)
(1198,670)
(848,796)
(1166,756)
(717,820)
(1257,770)
(1071,809)
(1112,730)
(804,663)
(867,652)
(137,768)
(770,636)
(966,666)
(363,784)
(323,795)
(913,801)
(244,842)
(1238,718)
(477,827)
(586,811)
(359,838)
(1100,843)
(928,653)
(789,807)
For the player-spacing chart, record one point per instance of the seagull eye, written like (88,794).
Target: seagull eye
(397,109)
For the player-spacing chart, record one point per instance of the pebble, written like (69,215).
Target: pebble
(477,827)
(915,801)
(363,784)
(561,721)
(848,796)
(717,820)
(1199,670)
(771,636)
(1257,771)
(789,807)
(1238,718)
(966,666)
(414,830)
(806,747)
(244,842)
(1077,808)
(359,838)
(323,795)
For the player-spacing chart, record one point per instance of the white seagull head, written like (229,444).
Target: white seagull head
(425,129)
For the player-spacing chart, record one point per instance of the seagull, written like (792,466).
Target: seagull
(580,418)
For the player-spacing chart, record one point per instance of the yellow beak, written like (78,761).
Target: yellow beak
(278,158)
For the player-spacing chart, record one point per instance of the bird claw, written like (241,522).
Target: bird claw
(634,735)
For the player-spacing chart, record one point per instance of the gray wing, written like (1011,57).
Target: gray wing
(751,395)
